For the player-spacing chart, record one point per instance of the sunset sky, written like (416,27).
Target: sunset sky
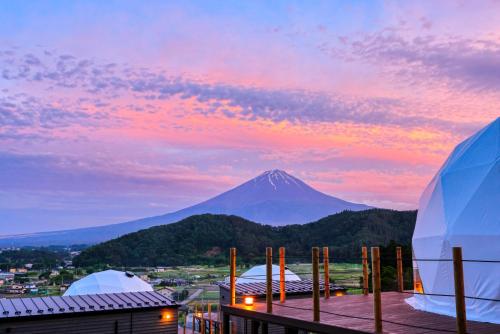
(116,110)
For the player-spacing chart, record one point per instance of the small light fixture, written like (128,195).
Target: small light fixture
(166,316)
(248,301)
(339,293)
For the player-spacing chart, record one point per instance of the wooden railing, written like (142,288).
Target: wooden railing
(206,326)
(376,282)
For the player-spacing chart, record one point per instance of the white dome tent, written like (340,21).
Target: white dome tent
(258,274)
(461,208)
(109,281)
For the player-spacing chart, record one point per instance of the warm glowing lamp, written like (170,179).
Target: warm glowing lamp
(248,301)
(166,316)
(339,293)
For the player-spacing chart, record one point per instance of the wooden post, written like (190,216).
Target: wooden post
(209,318)
(194,318)
(458,271)
(282,275)
(232,276)
(255,327)
(202,320)
(399,260)
(326,263)
(265,328)
(269,279)
(225,323)
(289,330)
(234,327)
(377,296)
(185,322)
(364,259)
(315,269)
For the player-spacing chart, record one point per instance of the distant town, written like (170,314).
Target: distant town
(38,279)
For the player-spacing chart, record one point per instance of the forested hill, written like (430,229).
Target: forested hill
(207,238)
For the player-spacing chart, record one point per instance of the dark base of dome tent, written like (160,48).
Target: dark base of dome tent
(133,312)
(347,314)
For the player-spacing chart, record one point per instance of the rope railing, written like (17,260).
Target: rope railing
(451,260)
(449,295)
(455,261)
(459,295)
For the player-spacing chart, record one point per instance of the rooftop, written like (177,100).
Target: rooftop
(38,306)
(291,287)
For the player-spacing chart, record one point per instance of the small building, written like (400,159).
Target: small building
(132,312)
(155,281)
(15,289)
(7,277)
(63,287)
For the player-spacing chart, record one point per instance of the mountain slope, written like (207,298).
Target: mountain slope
(274,198)
(207,238)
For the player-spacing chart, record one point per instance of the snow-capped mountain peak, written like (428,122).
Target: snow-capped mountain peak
(277,177)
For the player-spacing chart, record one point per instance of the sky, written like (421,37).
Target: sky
(116,110)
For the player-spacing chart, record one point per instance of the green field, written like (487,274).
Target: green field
(203,278)
(344,274)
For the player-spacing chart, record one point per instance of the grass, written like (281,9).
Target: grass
(346,274)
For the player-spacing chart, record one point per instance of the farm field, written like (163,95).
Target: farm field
(204,277)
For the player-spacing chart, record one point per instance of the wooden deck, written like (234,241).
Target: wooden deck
(398,316)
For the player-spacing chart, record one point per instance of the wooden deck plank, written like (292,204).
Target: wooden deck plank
(346,311)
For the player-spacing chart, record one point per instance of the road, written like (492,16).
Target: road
(192,297)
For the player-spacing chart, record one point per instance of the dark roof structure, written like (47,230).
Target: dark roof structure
(291,287)
(54,305)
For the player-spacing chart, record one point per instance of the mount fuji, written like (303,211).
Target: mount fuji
(274,197)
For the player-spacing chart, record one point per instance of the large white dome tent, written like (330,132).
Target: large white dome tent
(258,274)
(461,208)
(108,281)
